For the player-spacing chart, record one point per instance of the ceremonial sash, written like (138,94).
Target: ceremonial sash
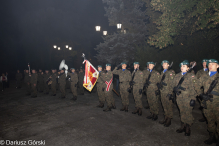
(108,84)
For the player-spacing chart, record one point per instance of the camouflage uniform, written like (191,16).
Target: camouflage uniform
(183,99)
(19,77)
(33,80)
(124,78)
(152,97)
(74,81)
(107,76)
(53,85)
(146,72)
(201,73)
(212,111)
(100,92)
(40,83)
(27,83)
(80,82)
(167,104)
(62,83)
(138,85)
(46,86)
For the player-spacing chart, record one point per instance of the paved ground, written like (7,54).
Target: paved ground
(62,122)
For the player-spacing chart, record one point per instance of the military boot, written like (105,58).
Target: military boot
(188,130)
(140,112)
(101,105)
(126,108)
(182,128)
(113,106)
(123,108)
(107,109)
(211,139)
(135,111)
(155,117)
(150,117)
(168,122)
(164,120)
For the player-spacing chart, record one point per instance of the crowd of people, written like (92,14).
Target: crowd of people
(184,88)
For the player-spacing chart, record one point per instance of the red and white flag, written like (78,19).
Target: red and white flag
(91,76)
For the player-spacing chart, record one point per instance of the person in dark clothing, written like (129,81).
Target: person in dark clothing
(3,80)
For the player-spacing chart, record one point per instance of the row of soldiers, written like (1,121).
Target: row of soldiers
(41,81)
(183,88)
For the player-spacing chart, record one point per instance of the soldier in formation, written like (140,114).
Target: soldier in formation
(40,82)
(80,81)
(46,77)
(73,77)
(53,78)
(33,82)
(62,82)
(27,82)
(100,88)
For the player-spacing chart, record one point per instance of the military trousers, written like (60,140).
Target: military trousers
(62,89)
(153,100)
(137,97)
(109,98)
(28,87)
(40,86)
(81,88)
(124,93)
(46,88)
(100,93)
(183,102)
(74,89)
(167,105)
(34,90)
(212,115)
(53,88)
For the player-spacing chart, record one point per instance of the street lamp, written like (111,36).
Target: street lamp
(119,26)
(97,28)
(55,46)
(58,48)
(66,46)
(69,48)
(104,32)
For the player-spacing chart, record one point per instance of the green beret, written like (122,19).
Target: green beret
(185,62)
(72,68)
(108,64)
(212,61)
(164,61)
(136,63)
(151,63)
(204,60)
(123,63)
(99,66)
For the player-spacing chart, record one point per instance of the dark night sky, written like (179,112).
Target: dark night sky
(36,25)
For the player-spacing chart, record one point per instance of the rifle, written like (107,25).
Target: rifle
(178,88)
(209,94)
(148,79)
(132,82)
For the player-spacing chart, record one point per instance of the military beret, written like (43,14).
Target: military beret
(123,63)
(151,63)
(164,61)
(136,63)
(108,64)
(72,68)
(147,63)
(99,66)
(185,62)
(212,61)
(204,60)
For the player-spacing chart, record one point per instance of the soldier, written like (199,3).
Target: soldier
(18,78)
(107,77)
(53,78)
(146,72)
(27,82)
(100,88)
(33,82)
(151,84)
(80,81)
(186,92)
(40,79)
(200,73)
(57,85)
(137,85)
(166,77)
(62,82)
(46,78)
(125,78)
(74,82)
(212,107)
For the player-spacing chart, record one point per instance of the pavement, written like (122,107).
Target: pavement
(51,121)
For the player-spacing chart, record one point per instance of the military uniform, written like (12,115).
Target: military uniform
(80,82)
(124,78)
(18,78)
(108,77)
(33,82)
(62,83)
(27,83)
(100,90)
(46,86)
(54,82)
(74,82)
(146,72)
(40,83)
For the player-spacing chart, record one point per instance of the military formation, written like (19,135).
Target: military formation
(183,88)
